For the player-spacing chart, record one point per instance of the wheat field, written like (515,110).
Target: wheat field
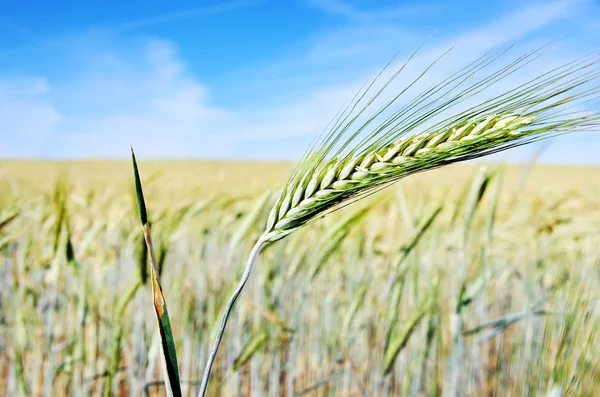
(361,303)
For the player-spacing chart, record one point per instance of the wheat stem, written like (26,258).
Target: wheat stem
(251,258)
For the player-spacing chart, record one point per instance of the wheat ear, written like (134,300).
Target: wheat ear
(341,179)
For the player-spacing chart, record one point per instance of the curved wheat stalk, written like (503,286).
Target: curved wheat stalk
(360,154)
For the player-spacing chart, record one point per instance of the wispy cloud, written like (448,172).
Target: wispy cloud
(345,9)
(180,15)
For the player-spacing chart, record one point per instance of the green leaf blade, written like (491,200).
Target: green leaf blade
(138,190)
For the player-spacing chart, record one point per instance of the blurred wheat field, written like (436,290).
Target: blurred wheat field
(361,303)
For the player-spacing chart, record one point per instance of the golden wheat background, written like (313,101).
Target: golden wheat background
(358,304)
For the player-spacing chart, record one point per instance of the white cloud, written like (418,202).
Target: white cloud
(153,103)
(26,117)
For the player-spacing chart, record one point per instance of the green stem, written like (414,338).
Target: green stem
(251,258)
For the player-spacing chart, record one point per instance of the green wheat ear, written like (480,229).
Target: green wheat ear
(355,158)
(342,179)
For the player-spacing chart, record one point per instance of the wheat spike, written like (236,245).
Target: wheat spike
(344,178)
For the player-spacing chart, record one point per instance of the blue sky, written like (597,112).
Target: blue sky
(240,79)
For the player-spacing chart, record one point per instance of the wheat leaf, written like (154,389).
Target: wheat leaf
(169,354)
